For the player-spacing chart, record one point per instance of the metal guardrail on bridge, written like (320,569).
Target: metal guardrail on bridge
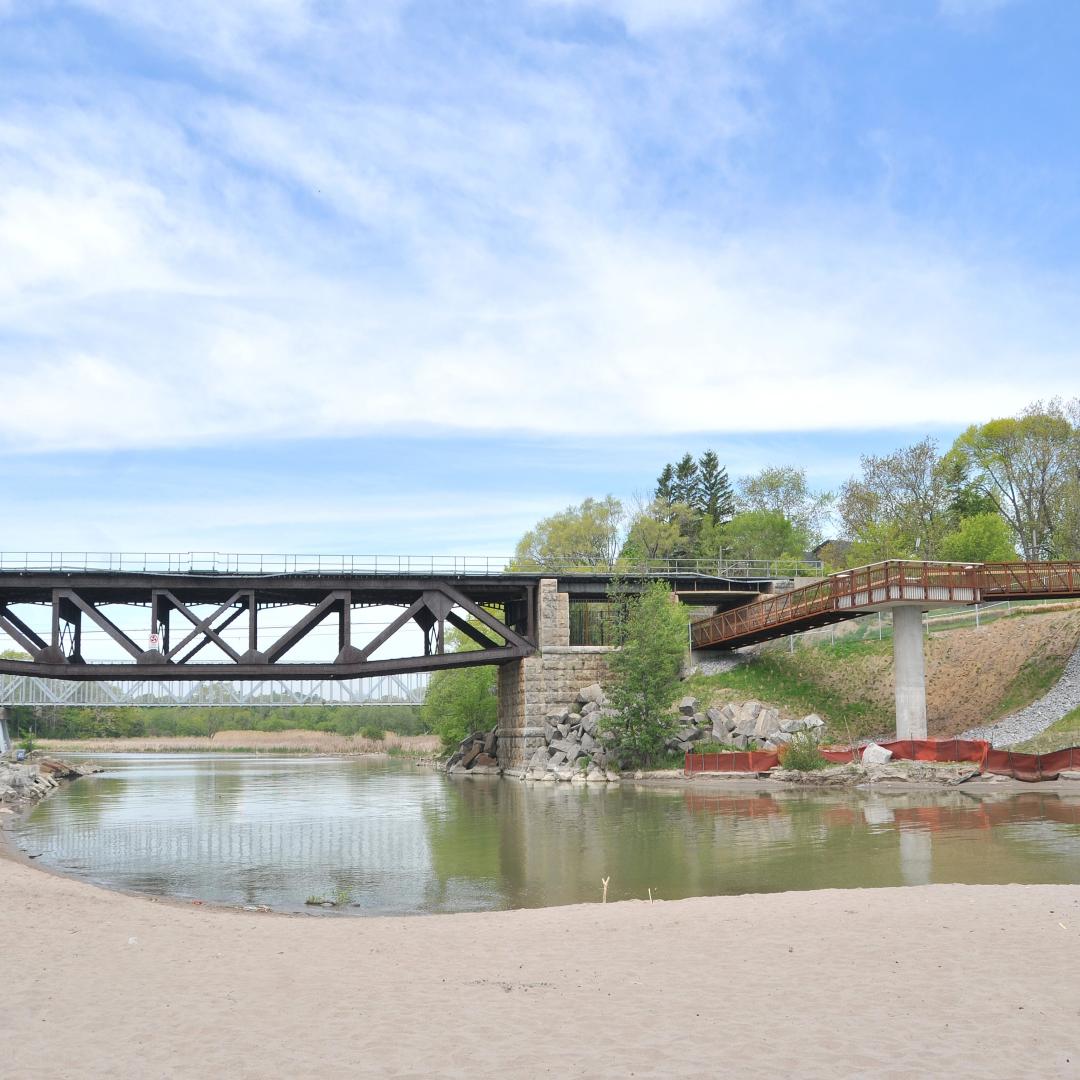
(218,562)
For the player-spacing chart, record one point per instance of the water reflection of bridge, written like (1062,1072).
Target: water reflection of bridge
(374,844)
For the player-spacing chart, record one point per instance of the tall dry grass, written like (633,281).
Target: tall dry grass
(287,742)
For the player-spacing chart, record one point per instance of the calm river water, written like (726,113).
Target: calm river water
(393,839)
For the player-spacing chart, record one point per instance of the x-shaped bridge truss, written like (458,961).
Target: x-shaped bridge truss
(180,629)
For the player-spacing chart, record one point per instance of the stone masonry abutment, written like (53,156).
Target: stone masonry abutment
(547,681)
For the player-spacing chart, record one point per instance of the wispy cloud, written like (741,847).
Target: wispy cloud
(337,220)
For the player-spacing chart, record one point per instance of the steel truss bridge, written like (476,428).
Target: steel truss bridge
(188,604)
(386,690)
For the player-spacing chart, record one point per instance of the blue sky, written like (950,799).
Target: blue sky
(391,276)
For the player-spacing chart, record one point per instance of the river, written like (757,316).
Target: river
(382,837)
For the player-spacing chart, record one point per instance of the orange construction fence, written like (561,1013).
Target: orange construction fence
(1027,767)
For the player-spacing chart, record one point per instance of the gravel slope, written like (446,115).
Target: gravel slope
(1039,715)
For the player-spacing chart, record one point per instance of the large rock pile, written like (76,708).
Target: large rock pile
(28,782)
(745,726)
(576,739)
(477,753)
(575,743)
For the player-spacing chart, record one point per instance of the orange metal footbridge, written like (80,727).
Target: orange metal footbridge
(884,585)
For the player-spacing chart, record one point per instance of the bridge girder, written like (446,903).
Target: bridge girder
(178,632)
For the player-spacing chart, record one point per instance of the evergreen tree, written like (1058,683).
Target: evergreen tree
(665,485)
(684,489)
(715,498)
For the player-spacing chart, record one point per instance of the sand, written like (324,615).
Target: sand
(930,981)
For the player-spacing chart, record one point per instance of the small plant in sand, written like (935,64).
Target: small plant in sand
(803,753)
(27,742)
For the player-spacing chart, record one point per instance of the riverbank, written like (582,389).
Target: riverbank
(24,783)
(889,982)
(261,742)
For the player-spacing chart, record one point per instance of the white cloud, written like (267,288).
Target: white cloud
(470,241)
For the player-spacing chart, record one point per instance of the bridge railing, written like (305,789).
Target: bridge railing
(218,562)
(849,590)
(1031,579)
(890,582)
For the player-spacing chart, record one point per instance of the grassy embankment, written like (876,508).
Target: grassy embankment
(974,676)
(805,681)
(251,742)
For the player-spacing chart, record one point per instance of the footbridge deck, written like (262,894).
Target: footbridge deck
(883,585)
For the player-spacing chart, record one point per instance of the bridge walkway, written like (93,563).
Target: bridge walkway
(880,586)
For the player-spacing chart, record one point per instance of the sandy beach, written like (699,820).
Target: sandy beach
(929,981)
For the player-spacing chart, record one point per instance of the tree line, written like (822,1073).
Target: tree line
(1005,489)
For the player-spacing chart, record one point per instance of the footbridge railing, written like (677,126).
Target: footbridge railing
(854,592)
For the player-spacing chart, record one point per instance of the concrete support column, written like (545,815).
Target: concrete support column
(5,730)
(910,670)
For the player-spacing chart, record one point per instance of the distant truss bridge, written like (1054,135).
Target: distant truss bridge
(407,689)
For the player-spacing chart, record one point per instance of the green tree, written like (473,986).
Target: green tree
(645,672)
(980,538)
(1027,466)
(662,530)
(764,534)
(665,484)
(461,700)
(966,497)
(876,542)
(1067,534)
(588,536)
(654,533)
(695,497)
(684,488)
(714,497)
(783,489)
(902,496)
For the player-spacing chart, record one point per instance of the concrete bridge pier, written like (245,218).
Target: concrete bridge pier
(5,730)
(910,671)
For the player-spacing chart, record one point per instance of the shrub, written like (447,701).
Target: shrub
(461,700)
(720,748)
(803,752)
(645,672)
(373,732)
